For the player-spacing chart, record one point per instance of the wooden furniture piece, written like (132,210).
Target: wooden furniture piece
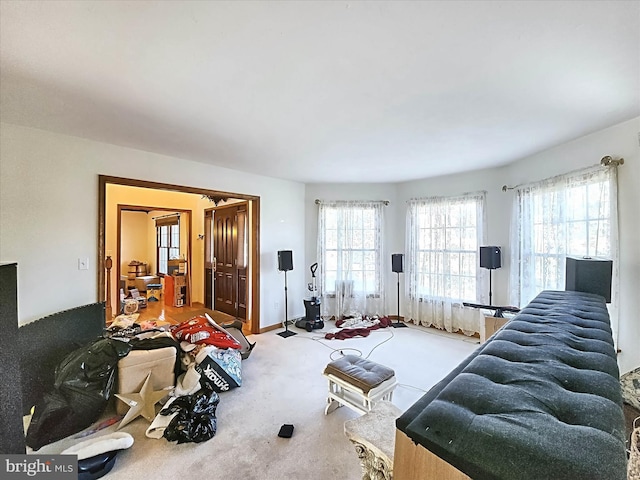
(372,437)
(175,290)
(108,264)
(358,383)
(12,439)
(490,325)
(416,462)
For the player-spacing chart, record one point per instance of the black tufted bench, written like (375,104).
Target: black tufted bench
(540,400)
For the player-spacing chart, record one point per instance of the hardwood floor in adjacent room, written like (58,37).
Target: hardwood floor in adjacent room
(175,315)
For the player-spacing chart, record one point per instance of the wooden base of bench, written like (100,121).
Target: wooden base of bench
(414,462)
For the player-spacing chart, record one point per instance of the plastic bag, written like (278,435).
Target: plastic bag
(83,384)
(195,420)
(199,330)
(221,370)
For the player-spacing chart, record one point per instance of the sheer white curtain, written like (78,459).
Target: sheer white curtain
(442,270)
(350,258)
(574,214)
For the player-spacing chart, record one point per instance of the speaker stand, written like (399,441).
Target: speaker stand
(490,292)
(287,333)
(398,324)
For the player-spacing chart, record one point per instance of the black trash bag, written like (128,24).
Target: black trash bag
(196,419)
(82,387)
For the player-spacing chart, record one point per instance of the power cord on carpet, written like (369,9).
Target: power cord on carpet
(341,351)
(404,385)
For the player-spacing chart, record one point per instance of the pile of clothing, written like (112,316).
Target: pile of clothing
(357,327)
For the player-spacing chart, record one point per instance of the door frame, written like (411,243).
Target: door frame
(253,312)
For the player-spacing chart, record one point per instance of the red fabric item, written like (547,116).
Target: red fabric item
(349,333)
(199,331)
(357,332)
(385,321)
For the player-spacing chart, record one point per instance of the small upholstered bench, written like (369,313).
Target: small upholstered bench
(358,383)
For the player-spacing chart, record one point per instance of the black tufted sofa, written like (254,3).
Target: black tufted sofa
(541,399)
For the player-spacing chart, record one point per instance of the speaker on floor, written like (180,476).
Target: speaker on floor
(490,257)
(397,262)
(285,260)
(590,275)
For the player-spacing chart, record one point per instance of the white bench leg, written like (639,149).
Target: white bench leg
(331,406)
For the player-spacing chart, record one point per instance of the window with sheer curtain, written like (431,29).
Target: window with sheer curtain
(573,214)
(443,238)
(350,253)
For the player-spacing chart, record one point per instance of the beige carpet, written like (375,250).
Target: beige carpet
(283,383)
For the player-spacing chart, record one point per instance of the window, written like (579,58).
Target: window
(444,235)
(350,254)
(167,241)
(573,214)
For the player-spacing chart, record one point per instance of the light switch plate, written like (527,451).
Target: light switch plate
(83,263)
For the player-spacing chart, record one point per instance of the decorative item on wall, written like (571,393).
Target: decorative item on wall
(215,199)
(490,258)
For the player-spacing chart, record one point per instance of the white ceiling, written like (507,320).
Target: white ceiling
(325,91)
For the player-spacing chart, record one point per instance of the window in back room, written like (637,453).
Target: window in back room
(167,241)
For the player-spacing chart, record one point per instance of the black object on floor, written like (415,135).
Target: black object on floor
(398,324)
(286,431)
(95,467)
(287,333)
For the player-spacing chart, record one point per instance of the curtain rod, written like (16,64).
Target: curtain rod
(166,216)
(606,161)
(386,202)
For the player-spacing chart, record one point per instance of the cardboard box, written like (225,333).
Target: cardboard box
(134,368)
(491,325)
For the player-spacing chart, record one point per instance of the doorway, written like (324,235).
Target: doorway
(248,280)
(138,239)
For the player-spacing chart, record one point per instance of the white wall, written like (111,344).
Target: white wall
(134,241)
(49,215)
(620,140)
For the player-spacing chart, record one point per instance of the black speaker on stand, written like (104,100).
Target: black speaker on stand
(491,258)
(285,263)
(397,266)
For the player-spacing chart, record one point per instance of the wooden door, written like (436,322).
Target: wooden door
(231,270)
